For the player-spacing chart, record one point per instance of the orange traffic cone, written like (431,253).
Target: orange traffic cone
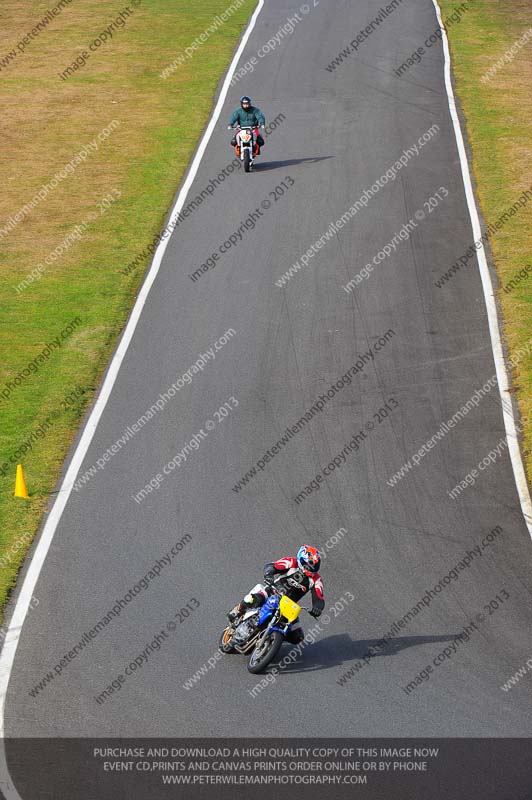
(20,484)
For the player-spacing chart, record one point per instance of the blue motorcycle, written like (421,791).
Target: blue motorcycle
(262,631)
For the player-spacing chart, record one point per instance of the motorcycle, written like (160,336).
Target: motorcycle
(246,146)
(261,631)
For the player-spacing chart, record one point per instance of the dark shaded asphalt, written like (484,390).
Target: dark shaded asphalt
(343,130)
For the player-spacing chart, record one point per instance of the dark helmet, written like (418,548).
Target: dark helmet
(245,99)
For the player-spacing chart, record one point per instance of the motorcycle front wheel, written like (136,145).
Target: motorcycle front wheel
(247,160)
(265,652)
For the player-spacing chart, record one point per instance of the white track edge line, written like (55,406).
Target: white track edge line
(503,377)
(26,593)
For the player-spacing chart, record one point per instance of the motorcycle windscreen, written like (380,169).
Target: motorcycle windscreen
(289,609)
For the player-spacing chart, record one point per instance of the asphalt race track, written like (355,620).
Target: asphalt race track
(342,130)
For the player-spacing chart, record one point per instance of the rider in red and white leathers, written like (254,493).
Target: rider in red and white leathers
(308,562)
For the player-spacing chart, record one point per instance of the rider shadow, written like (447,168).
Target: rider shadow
(289,162)
(341,649)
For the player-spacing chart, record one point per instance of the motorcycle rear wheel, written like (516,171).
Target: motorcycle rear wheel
(260,658)
(225,640)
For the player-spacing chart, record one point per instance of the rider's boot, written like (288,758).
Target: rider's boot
(236,612)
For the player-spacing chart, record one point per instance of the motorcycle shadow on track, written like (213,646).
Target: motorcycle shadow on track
(339,649)
(289,162)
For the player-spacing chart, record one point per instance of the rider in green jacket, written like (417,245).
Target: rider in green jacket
(248,114)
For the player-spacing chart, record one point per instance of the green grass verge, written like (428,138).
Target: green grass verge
(498,112)
(46,121)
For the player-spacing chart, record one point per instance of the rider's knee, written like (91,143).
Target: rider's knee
(254,599)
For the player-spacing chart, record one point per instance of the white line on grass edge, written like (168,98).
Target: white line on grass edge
(503,379)
(26,593)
